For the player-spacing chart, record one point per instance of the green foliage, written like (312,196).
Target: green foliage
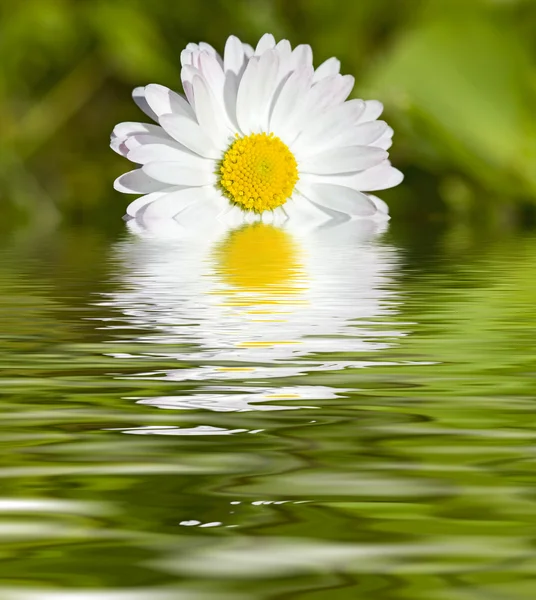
(458,80)
(462,88)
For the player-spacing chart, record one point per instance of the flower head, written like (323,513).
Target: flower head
(260,135)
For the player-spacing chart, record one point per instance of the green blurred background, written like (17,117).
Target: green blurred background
(457,77)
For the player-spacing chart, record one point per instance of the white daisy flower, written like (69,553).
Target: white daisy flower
(261,135)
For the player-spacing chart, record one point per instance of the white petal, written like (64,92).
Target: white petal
(232,217)
(142,201)
(234,56)
(248,50)
(380,204)
(302,56)
(171,204)
(284,49)
(140,139)
(210,114)
(368,133)
(255,92)
(289,101)
(174,173)
(343,160)
(187,74)
(323,132)
(138,94)
(122,130)
(164,101)
(373,109)
(235,63)
(252,217)
(279,216)
(147,153)
(331,66)
(138,182)
(381,177)
(212,72)
(268,74)
(341,199)
(118,145)
(266,42)
(324,94)
(386,140)
(267,217)
(336,127)
(284,56)
(189,134)
(204,47)
(201,213)
(164,147)
(302,212)
(207,47)
(145,148)
(333,90)
(186,57)
(230,93)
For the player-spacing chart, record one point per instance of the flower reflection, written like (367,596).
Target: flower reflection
(252,304)
(261,280)
(259,258)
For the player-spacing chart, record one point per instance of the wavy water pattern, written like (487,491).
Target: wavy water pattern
(267,413)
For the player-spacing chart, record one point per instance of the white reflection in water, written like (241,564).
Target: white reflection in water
(199,430)
(251,304)
(278,557)
(243,399)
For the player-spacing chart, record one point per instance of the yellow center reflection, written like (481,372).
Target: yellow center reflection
(260,258)
(262,270)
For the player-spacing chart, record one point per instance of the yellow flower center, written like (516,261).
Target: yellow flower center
(258,172)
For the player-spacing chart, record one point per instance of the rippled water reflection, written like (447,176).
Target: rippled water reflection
(265,413)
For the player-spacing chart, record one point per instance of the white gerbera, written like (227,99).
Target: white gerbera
(261,135)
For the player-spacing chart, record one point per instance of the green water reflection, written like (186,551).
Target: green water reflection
(267,415)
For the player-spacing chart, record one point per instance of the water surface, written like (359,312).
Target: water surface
(267,414)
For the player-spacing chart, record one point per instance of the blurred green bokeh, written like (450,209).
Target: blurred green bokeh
(457,77)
